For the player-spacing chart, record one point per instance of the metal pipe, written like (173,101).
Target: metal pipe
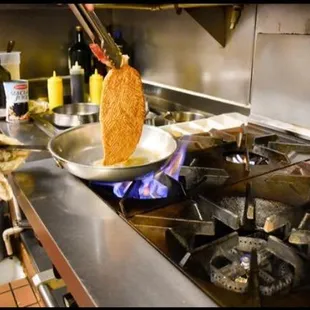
(43,281)
(16,210)
(6,238)
(24,224)
(157,7)
(47,296)
(18,226)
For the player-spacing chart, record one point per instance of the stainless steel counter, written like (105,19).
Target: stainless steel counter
(27,133)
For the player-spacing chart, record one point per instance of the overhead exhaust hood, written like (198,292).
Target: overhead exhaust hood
(218,19)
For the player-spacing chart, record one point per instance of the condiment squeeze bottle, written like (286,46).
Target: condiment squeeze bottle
(77,83)
(55,91)
(95,87)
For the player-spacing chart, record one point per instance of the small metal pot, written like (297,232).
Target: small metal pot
(149,118)
(75,114)
(147,108)
(157,120)
(183,116)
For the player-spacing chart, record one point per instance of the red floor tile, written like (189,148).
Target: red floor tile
(34,306)
(24,296)
(19,283)
(7,300)
(4,288)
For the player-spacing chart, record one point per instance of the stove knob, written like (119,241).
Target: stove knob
(69,301)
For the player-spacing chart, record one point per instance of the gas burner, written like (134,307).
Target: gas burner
(300,237)
(196,143)
(263,209)
(192,177)
(294,151)
(274,204)
(131,204)
(228,262)
(186,219)
(256,214)
(241,158)
(231,270)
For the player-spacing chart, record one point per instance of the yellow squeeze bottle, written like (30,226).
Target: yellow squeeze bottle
(95,87)
(55,91)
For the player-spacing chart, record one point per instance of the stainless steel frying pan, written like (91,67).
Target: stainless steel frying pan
(78,149)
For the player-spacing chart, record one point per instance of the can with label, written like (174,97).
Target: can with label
(17,98)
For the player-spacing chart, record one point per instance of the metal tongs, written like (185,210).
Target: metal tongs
(97,33)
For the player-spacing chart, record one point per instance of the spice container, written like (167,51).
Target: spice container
(11,62)
(95,87)
(55,91)
(77,83)
(17,97)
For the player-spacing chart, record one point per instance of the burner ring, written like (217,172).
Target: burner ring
(230,269)
(239,157)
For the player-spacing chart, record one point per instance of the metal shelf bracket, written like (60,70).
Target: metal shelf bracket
(219,21)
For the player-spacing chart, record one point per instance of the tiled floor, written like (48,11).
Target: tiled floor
(18,293)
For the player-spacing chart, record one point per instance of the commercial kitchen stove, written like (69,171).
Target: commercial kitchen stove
(225,223)
(231,211)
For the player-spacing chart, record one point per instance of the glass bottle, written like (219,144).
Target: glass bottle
(81,53)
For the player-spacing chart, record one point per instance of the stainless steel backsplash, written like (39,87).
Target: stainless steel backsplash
(175,50)
(281,75)
(265,61)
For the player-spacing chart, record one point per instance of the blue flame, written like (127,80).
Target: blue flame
(149,187)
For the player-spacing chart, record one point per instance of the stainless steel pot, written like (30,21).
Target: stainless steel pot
(147,108)
(170,118)
(160,120)
(154,119)
(75,114)
(149,118)
(182,116)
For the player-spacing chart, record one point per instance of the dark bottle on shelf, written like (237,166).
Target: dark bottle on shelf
(81,53)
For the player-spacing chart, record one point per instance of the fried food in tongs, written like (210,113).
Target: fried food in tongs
(103,45)
(122,108)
